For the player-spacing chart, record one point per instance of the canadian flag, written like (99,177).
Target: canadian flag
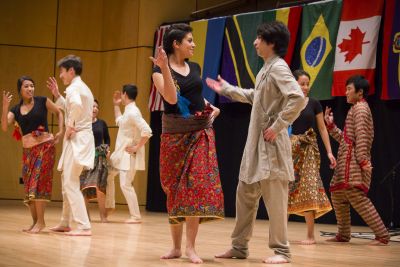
(356,43)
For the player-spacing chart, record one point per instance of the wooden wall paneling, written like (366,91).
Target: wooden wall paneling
(153,13)
(120,24)
(28,23)
(80,24)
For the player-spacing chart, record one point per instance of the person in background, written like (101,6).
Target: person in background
(307,195)
(38,154)
(352,176)
(94,181)
(129,154)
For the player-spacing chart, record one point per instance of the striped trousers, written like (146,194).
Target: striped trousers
(342,200)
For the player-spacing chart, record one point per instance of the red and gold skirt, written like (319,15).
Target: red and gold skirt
(37,171)
(307,192)
(189,170)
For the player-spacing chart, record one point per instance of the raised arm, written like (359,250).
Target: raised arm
(163,81)
(7,117)
(56,111)
(333,130)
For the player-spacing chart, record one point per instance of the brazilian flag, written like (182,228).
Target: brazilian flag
(318,39)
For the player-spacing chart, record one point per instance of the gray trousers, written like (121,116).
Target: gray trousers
(275,195)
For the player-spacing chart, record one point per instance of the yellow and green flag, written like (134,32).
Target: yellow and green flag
(318,41)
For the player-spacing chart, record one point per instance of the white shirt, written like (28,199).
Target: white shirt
(132,127)
(78,109)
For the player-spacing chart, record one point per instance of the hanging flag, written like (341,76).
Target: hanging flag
(391,51)
(208,37)
(356,43)
(155,99)
(240,62)
(318,39)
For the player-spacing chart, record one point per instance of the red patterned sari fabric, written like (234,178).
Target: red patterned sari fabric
(190,176)
(37,171)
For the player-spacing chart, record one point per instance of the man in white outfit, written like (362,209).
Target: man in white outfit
(78,145)
(129,154)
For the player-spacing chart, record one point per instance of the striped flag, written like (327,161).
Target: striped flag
(319,30)
(391,51)
(208,37)
(356,43)
(240,62)
(155,99)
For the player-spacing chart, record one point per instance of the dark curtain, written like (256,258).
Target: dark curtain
(231,132)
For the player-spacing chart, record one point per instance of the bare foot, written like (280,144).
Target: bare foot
(378,243)
(104,220)
(276,259)
(60,228)
(308,241)
(173,254)
(231,254)
(29,228)
(37,228)
(192,255)
(79,232)
(133,221)
(226,255)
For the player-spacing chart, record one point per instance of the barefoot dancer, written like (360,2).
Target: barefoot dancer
(352,176)
(129,153)
(307,195)
(78,145)
(267,166)
(188,161)
(38,146)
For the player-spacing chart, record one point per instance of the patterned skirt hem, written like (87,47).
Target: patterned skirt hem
(319,211)
(203,218)
(30,198)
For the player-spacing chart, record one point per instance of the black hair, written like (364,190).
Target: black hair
(130,90)
(360,83)
(71,61)
(275,32)
(175,32)
(298,73)
(21,80)
(97,102)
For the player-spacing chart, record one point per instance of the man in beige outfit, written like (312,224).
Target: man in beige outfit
(267,166)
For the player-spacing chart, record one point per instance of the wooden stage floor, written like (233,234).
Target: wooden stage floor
(119,244)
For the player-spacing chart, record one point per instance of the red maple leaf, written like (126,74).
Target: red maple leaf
(352,46)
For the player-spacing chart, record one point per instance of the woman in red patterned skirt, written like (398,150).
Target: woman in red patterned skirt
(38,145)
(188,161)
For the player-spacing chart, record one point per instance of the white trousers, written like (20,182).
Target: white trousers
(73,201)
(125,180)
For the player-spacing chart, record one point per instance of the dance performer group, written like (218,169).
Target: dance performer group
(281,168)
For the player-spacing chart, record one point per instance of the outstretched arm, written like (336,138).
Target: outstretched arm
(222,87)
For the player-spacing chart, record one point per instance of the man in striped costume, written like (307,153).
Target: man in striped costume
(352,177)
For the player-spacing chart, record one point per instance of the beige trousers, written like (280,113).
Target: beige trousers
(73,201)
(125,180)
(275,195)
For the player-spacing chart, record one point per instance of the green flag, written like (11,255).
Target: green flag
(318,39)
